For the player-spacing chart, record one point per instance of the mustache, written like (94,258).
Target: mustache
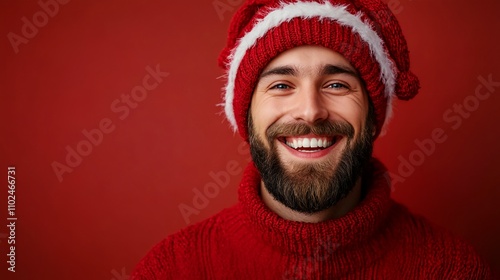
(320,128)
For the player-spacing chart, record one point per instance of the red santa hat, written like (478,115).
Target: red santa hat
(365,32)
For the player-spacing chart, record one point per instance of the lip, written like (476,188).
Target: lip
(311,155)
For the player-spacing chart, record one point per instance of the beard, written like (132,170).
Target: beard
(312,187)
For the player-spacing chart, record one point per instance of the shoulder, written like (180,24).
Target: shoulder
(179,253)
(443,254)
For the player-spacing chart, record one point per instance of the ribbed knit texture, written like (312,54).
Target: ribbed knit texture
(378,239)
(299,32)
(318,31)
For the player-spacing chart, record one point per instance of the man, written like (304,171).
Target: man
(309,86)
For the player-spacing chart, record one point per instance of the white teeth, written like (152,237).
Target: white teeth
(308,143)
(314,143)
(305,143)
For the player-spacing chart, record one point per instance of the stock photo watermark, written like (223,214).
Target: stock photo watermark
(121,107)
(311,264)
(219,180)
(11,218)
(454,117)
(225,8)
(120,275)
(31,26)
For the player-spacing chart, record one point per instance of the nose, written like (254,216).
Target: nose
(310,106)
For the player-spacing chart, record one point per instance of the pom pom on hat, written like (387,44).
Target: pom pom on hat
(407,85)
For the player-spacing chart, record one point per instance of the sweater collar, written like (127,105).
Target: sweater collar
(355,227)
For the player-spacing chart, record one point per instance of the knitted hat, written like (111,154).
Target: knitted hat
(365,32)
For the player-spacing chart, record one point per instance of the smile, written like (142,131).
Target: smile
(310,144)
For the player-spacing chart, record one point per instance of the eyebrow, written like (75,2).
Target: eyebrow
(328,69)
(281,70)
(331,69)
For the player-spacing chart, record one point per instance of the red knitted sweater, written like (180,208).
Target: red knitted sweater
(378,239)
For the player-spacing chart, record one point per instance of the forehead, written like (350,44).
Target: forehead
(309,58)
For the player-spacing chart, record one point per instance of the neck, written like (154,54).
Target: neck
(338,210)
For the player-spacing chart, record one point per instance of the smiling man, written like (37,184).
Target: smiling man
(310,86)
(310,129)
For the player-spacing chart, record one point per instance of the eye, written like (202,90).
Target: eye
(337,86)
(280,86)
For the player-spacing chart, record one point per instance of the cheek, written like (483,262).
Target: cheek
(353,111)
(264,114)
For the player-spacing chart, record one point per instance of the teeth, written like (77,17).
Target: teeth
(314,143)
(305,143)
(308,143)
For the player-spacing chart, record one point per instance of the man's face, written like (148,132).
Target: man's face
(310,130)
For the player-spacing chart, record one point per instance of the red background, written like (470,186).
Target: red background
(124,196)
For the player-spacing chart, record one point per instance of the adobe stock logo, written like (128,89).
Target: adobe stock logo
(120,275)
(219,180)
(121,107)
(29,30)
(454,116)
(308,267)
(223,6)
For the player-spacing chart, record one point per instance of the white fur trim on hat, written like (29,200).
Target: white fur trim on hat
(288,11)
